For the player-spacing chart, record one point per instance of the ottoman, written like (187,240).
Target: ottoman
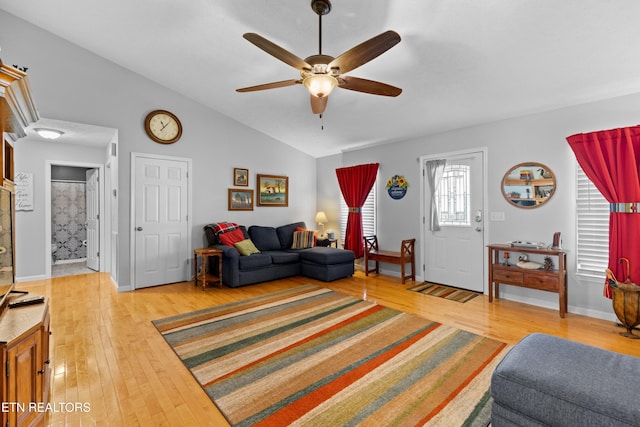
(327,264)
(551,381)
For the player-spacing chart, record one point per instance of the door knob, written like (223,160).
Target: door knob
(478,229)
(138,228)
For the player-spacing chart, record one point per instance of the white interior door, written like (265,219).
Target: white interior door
(161,221)
(454,255)
(92,196)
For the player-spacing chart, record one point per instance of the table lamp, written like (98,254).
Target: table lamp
(321,219)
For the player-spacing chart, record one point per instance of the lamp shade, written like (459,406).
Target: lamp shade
(320,85)
(321,218)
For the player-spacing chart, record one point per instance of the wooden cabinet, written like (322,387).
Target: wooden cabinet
(7,165)
(25,368)
(554,280)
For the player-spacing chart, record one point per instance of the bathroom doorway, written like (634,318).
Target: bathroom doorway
(75,220)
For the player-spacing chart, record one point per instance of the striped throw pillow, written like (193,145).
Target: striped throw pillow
(302,239)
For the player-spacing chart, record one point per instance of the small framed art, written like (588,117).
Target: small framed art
(240,177)
(273,190)
(240,199)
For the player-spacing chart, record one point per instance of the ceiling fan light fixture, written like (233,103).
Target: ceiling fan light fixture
(320,85)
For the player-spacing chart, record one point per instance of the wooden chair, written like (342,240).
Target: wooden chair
(406,255)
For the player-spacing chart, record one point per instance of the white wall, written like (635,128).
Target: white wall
(537,137)
(71,84)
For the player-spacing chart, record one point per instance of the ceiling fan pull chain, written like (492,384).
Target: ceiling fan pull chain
(322,122)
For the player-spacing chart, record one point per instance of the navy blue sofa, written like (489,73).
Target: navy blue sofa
(277,259)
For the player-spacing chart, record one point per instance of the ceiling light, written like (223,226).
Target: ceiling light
(320,85)
(49,133)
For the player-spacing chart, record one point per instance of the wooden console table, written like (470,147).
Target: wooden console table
(550,281)
(203,275)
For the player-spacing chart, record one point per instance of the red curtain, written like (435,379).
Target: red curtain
(355,184)
(611,160)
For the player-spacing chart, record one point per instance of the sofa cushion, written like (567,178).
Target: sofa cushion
(303,239)
(254,261)
(229,238)
(327,256)
(265,238)
(281,257)
(285,233)
(246,247)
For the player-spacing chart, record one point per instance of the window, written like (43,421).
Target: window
(592,220)
(453,196)
(368,215)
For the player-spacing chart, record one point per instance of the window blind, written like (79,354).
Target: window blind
(592,219)
(368,215)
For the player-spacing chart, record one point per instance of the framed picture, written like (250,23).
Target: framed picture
(273,190)
(240,177)
(240,199)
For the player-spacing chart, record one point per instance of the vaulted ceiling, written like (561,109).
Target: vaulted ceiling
(460,62)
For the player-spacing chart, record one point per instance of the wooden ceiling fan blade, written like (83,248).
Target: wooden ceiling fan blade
(273,85)
(318,105)
(368,86)
(365,51)
(276,51)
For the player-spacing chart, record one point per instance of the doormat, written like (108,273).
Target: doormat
(311,356)
(446,292)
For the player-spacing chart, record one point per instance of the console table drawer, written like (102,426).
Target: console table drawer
(545,282)
(503,276)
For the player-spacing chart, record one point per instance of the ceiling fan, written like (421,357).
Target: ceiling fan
(320,74)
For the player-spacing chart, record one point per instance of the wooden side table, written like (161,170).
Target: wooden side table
(203,275)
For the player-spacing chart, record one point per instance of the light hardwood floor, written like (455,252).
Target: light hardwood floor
(106,352)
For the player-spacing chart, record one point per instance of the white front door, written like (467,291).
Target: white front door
(92,196)
(161,228)
(454,255)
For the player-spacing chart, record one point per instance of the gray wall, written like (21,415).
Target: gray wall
(71,84)
(537,137)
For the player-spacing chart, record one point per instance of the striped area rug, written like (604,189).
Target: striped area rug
(446,292)
(311,356)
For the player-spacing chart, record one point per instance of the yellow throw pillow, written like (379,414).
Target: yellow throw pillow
(246,247)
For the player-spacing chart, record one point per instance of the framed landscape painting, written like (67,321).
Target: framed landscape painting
(240,177)
(273,190)
(240,200)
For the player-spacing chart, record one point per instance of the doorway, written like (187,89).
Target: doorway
(454,249)
(74,220)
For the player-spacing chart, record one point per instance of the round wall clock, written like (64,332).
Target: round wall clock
(163,127)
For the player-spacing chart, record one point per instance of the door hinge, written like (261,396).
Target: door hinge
(423,269)
(98,254)
(6,366)
(98,216)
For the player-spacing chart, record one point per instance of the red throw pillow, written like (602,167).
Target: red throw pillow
(231,237)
